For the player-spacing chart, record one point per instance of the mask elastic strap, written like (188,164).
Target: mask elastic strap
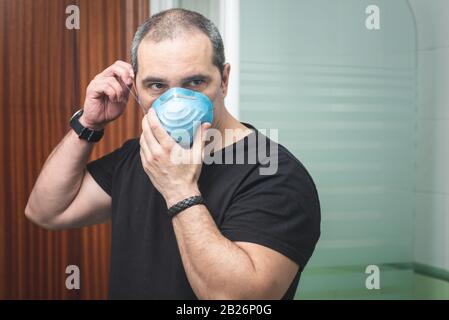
(135,95)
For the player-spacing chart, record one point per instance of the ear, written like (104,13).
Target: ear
(225,79)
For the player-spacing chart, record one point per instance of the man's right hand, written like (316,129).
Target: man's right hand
(65,195)
(107,95)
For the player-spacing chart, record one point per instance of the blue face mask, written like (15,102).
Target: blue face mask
(181,111)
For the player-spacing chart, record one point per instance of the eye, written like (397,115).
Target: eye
(157,86)
(196,83)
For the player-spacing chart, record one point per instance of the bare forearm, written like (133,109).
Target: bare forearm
(215,266)
(60,178)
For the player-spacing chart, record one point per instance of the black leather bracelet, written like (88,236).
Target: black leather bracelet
(184,204)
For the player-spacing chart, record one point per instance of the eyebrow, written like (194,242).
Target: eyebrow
(196,77)
(151,79)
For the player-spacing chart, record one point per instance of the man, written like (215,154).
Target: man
(248,236)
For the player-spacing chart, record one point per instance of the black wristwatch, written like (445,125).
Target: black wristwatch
(84,133)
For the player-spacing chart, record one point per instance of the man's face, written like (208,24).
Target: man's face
(185,61)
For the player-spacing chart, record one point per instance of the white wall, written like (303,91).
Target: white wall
(432,185)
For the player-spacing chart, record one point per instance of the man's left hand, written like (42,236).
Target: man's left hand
(173,170)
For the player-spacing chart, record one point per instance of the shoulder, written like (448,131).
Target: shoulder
(129,147)
(278,177)
(123,154)
(292,172)
(130,144)
(277,162)
(289,164)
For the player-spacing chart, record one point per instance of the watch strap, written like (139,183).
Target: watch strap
(84,133)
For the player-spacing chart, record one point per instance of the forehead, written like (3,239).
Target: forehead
(185,54)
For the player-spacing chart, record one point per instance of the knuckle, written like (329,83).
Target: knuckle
(110,92)
(168,144)
(109,81)
(153,125)
(157,155)
(90,87)
(171,144)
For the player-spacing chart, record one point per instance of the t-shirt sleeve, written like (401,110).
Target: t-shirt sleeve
(102,170)
(279,211)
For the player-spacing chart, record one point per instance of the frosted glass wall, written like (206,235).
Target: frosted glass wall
(343,99)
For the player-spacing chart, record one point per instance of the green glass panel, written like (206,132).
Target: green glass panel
(343,99)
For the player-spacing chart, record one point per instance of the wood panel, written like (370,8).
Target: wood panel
(46,69)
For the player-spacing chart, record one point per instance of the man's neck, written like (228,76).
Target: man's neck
(227,124)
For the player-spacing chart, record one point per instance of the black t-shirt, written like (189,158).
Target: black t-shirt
(280,211)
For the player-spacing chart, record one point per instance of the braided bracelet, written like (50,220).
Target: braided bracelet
(184,204)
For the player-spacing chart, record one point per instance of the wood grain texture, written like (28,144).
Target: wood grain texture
(46,69)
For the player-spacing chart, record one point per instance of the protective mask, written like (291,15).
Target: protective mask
(181,111)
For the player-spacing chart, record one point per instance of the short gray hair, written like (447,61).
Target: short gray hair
(170,23)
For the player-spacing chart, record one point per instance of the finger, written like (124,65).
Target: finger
(124,74)
(120,91)
(177,154)
(198,143)
(126,88)
(158,131)
(123,64)
(201,134)
(124,78)
(126,65)
(104,89)
(143,159)
(151,141)
(116,70)
(145,152)
(205,127)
